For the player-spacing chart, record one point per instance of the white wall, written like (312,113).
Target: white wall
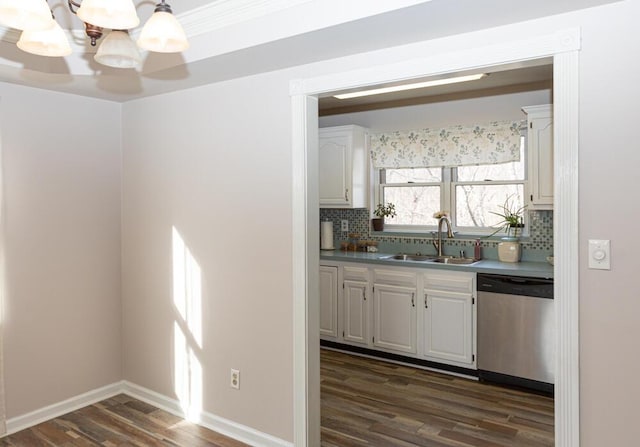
(215,164)
(441,114)
(609,163)
(237,225)
(61,166)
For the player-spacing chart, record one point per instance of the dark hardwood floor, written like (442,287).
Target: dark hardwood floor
(377,404)
(364,403)
(118,422)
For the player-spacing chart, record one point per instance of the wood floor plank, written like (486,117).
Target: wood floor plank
(366,402)
(120,421)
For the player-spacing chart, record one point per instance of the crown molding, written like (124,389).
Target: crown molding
(223,13)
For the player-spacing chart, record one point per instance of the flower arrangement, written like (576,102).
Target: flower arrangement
(388,210)
(512,218)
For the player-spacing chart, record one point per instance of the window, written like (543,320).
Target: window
(469,193)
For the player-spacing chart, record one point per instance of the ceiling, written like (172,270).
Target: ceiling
(233,38)
(532,75)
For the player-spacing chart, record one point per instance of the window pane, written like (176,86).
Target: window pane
(475,203)
(415,205)
(503,171)
(413,175)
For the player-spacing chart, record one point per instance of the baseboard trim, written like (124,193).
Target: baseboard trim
(229,428)
(221,425)
(58,409)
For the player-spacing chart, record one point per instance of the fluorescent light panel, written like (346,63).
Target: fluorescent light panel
(399,88)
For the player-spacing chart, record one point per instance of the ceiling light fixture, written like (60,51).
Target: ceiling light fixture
(23,14)
(43,36)
(399,88)
(50,42)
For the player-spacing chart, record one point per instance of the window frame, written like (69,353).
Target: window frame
(447,185)
(486,231)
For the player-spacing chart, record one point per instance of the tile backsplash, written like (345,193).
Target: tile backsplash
(536,247)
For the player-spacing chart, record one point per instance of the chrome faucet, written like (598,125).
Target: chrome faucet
(438,243)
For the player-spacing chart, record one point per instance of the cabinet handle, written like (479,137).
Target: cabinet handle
(413,299)
(364,293)
(346,195)
(426,305)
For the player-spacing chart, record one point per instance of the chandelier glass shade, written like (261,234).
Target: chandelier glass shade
(51,42)
(25,14)
(112,14)
(163,34)
(44,37)
(118,51)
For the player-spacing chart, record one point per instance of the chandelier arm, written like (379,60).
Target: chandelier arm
(73,4)
(93,32)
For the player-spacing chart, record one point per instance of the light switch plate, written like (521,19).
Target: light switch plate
(599,254)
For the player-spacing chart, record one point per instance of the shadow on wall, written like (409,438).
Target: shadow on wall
(187,302)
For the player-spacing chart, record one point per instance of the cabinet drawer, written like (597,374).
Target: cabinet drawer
(462,282)
(355,274)
(394,277)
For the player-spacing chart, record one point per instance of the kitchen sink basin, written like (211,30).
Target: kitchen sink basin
(455,261)
(430,258)
(403,257)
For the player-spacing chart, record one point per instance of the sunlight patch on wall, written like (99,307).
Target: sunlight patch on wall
(187,299)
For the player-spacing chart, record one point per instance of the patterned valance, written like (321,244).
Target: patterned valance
(491,143)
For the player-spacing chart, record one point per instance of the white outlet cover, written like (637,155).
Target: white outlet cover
(600,254)
(235,379)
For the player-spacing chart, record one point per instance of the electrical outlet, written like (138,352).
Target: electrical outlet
(344,225)
(235,379)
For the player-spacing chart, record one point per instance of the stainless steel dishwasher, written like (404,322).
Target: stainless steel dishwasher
(516,331)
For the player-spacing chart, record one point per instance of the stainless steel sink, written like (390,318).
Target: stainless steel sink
(403,257)
(455,261)
(430,258)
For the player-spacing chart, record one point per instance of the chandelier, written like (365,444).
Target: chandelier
(41,34)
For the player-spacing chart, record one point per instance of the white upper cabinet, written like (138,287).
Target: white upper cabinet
(343,167)
(540,155)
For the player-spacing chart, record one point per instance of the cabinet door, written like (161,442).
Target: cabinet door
(394,315)
(540,155)
(334,169)
(328,302)
(355,320)
(448,324)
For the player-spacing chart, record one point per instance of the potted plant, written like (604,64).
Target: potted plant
(512,222)
(382,211)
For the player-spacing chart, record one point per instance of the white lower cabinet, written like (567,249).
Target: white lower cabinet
(449,318)
(329,302)
(428,314)
(394,318)
(394,311)
(355,305)
(355,316)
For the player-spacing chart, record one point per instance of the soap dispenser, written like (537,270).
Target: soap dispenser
(477,250)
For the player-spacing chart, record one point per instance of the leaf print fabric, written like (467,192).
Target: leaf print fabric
(492,143)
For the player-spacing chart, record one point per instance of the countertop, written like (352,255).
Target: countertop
(530,269)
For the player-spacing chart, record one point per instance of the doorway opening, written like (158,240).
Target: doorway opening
(563,48)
